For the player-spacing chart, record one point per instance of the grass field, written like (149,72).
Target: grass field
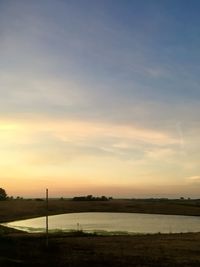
(21,209)
(79,249)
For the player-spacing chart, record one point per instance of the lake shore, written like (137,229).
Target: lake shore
(78,249)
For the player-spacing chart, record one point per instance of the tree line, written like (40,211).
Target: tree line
(3,194)
(91,198)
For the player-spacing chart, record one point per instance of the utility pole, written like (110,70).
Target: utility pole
(47,219)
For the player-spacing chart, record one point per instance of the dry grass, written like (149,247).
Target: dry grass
(167,250)
(21,209)
(146,250)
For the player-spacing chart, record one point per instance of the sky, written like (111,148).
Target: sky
(100,97)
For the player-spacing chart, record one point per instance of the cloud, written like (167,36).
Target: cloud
(44,141)
(80,130)
(194,179)
(165,153)
(38,93)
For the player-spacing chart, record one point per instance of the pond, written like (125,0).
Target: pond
(100,222)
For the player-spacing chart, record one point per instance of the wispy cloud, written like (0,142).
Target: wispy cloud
(194,179)
(66,130)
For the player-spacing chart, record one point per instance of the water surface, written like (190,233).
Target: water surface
(112,222)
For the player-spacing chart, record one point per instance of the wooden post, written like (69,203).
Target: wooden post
(47,221)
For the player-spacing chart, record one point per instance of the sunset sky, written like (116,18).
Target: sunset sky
(100,97)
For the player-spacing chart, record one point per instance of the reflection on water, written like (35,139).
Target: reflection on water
(112,222)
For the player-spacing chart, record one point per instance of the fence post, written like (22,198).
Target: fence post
(47,219)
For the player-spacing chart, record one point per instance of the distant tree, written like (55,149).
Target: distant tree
(91,198)
(3,195)
(19,198)
(103,198)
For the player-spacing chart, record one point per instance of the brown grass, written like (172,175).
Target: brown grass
(146,250)
(78,250)
(21,209)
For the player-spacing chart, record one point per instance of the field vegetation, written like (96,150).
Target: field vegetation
(78,249)
(29,208)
